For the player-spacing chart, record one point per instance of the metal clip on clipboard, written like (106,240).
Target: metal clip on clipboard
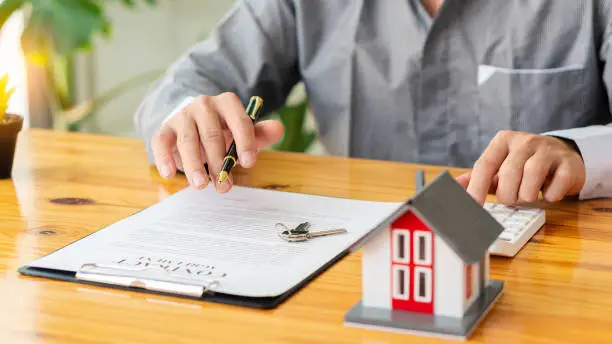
(127,276)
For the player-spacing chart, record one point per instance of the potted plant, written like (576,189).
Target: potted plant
(10,126)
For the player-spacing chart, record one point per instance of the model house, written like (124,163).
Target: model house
(427,264)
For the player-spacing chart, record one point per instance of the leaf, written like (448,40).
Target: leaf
(295,138)
(5,95)
(292,119)
(132,3)
(7,8)
(128,3)
(3,83)
(306,140)
(9,94)
(69,25)
(4,100)
(77,113)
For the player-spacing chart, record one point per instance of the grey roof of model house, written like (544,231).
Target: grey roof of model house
(450,212)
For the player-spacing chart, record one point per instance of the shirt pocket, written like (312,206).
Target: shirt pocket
(531,100)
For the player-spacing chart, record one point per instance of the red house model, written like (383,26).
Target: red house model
(425,268)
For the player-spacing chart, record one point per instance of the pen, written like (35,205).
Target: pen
(253,110)
(419,180)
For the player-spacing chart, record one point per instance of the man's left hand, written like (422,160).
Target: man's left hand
(516,166)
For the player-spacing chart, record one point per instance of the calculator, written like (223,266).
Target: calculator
(520,224)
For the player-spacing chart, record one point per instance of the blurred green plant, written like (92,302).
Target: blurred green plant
(56,30)
(296,138)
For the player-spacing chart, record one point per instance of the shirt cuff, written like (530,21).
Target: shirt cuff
(181,106)
(593,142)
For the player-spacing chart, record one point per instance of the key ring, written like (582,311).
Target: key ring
(288,234)
(294,237)
(284,226)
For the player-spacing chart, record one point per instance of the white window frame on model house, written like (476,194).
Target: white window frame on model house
(427,237)
(399,294)
(396,246)
(427,272)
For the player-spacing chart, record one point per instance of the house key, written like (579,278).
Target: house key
(301,233)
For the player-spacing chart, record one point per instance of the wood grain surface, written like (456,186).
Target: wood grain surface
(66,186)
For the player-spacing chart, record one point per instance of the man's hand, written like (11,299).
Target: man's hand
(202,132)
(516,166)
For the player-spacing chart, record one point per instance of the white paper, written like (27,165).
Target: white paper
(230,238)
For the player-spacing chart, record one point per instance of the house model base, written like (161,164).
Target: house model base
(426,324)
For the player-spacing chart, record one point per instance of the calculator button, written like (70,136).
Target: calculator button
(499,217)
(513,228)
(504,211)
(506,236)
(522,215)
(531,212)
(522,222)
(516,221)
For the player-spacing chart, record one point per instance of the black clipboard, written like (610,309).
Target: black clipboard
(216,297)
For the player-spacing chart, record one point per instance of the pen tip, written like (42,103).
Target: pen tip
(223,176)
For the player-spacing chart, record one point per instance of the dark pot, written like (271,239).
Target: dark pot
(9,130)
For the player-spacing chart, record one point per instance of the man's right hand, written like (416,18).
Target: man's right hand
(203,131)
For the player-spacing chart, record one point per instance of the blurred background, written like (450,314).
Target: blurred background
(84,65)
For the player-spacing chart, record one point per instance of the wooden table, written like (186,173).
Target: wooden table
(65,186)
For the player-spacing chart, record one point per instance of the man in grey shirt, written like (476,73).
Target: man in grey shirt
(518,90)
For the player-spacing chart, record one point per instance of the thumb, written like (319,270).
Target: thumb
(268,133)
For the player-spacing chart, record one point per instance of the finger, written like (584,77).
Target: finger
(211,136)
(204,161)
(560,184)
(510,176)
(487,166)
(464,180)
(535,172)
(228,138)
(163,145)
(177,160)
(190,151)
(231,110)
(268,133)
(494,184)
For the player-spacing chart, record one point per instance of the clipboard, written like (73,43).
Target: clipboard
(150,286)
(93,269)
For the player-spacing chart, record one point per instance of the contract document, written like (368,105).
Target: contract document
(225,243)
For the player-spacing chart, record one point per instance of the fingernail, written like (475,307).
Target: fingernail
(165,171)
(247,159)
(197,179)
(224,187)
